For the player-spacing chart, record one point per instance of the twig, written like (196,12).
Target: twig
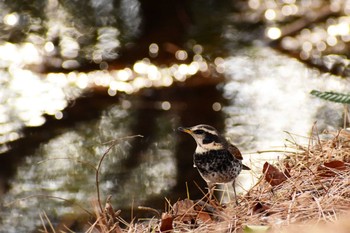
(314,129)
(319,207)
(319,181)
(273,151)
(150,209)
(290,207)
(291,135)
(187,191)
(67,228)
(48,221)
(200,189)
(114,142)
(346,115)
(43,222)
(92,227)
(132,208)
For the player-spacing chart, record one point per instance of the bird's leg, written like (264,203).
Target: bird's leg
(234,190)
(211,188)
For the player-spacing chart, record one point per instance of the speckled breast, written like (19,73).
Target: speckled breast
(217,166)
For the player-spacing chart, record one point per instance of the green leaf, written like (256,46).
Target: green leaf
(332,96)
(255,229)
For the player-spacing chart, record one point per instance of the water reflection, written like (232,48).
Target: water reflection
(63,167)
(22,102)
(45,67)
(269,95)
(25,88)
(67,41)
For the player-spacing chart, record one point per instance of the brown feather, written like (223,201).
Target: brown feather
(237,154)
(235,151)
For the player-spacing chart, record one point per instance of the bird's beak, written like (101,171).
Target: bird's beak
(185,130)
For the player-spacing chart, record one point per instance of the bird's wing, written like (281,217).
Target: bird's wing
(237,154)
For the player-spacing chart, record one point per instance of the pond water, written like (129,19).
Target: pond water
(73,84)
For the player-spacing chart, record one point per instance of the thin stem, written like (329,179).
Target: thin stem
(114,142)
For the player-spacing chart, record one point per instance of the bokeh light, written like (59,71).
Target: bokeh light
(11,19)
(273,33)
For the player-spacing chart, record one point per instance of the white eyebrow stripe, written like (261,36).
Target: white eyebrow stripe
(212,132)
(205,129)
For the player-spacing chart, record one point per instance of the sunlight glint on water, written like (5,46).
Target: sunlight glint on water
(270,94)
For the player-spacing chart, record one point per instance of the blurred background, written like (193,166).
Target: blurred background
(77,74)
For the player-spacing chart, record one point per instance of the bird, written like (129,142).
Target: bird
(217,160)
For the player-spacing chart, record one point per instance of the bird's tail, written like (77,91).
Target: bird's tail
(244,167)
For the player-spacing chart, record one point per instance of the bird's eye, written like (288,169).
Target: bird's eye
(198,131)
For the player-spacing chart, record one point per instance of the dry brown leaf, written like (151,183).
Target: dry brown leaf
(184,211)
(183,207)
(166,224)
(260,207)
(336,164)
(273,175)
(204,217)
(327,168)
